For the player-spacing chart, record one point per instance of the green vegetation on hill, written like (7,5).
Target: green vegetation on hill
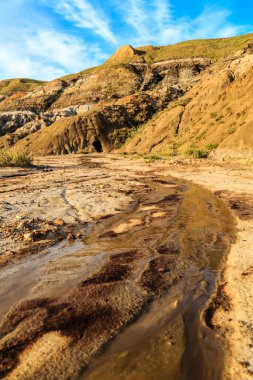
(211,48)
(81,73)
(10,86)
(207,48)
(128,103)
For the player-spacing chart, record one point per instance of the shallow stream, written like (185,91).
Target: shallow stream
(179,235)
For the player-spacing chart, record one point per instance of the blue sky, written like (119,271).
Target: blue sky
(45,39)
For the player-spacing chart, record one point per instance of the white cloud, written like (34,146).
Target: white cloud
(37,43)
(14,64)
(138,18)
(69,52)
(84,15)
(47,55)
(147,18)
(157,25)
(162,14)
(212,23)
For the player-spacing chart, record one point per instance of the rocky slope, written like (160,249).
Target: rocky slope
(215,114)
(183,96)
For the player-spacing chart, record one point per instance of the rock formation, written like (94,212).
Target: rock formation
(185,96)
(216,113)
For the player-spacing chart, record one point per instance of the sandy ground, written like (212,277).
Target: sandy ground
(236,183)
(55,201)
(58,199)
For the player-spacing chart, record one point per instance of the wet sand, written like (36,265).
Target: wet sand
(234,320)
(140,273)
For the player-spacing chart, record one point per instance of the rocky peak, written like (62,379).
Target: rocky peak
(124,54)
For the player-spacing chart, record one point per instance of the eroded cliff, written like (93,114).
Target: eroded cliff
(182,96)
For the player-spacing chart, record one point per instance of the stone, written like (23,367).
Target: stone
(59,222)
(29,237)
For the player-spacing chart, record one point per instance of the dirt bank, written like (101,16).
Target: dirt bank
(233,184)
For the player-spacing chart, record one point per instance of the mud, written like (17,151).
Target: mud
(231,309)
(151,268)
(242,204)
(32,235)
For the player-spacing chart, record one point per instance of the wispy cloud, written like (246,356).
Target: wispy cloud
(156,23)
(51,38)
(36,46)
(84,15)
(47,55)
(147,19)
(138,18)
(212,22)
(162,14)
(69,52)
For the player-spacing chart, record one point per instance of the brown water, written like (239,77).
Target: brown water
(50,272)
(171,340)
(174,225)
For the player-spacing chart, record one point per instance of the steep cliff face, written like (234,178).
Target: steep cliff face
(188,95)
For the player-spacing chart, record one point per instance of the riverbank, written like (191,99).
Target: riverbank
(234,184)
(66,198)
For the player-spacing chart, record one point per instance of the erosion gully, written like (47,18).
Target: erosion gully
(129,300)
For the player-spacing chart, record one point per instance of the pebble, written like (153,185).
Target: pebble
(28,237)
(59,222)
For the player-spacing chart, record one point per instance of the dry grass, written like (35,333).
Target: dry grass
(211,48)
(15,159)
(10,86)
(207,48)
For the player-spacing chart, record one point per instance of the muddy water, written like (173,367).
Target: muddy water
(142,277)
(171,340)
(49,272)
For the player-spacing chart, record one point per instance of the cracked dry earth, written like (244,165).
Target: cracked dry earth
(113,269)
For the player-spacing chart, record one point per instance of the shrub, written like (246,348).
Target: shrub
(183,102)
(5,159)
(197,153)
(210,147)
(231,130)
(151,157)
(120,136)
(201,135)
(173,149)
(179,102)
(15,159)
(220,118)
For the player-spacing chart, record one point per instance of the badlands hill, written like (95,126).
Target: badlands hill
(183,98)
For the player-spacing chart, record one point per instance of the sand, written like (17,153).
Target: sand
(236,323)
